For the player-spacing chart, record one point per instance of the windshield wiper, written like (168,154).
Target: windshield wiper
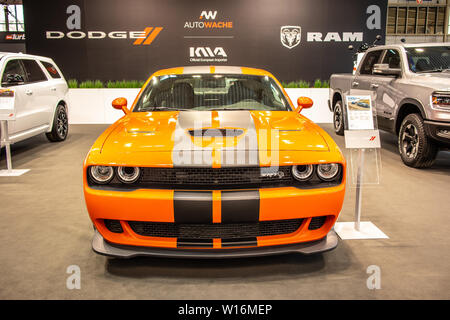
(168,108)
(231,109)
(431,71)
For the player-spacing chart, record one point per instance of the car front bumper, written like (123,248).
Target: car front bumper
(103,247)
(439,131)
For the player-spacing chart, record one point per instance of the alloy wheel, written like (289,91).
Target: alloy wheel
(62,123)
(410,141)
(337,117)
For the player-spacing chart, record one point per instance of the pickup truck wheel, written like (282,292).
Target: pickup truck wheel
(338,118)
(416,148)
(60,127)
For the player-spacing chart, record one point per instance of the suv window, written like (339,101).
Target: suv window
(370,60)
(34,71)
(51,70)
(392,58)
(13,73)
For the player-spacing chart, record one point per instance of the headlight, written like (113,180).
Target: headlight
(303,173)
(328,171)
(128,174)
(101,174)
(441,100)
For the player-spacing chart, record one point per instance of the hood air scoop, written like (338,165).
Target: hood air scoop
(216,133)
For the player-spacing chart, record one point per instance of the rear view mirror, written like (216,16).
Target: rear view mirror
(385,70)
(121,104)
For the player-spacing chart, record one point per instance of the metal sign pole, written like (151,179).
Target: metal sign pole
(6,142)
(359,181)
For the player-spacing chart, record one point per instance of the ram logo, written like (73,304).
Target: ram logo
(291,36)
(206,52)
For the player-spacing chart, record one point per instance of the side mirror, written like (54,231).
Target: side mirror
(383,69)
(121,104)
(304,103)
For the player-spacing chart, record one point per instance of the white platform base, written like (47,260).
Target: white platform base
(13,173)
(346,231)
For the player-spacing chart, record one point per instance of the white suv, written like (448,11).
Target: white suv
(40,96)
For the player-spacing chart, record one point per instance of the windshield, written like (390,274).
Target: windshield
(212,92)
(428,59)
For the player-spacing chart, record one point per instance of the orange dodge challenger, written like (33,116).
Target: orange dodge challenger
(213,162)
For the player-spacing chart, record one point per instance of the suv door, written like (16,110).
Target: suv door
(362,82)
(41,104)
(387,95)
(14,77)
(56,84)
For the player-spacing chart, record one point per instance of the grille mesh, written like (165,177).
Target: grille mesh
(215,231)
(113,226)
(216,177)
(317,223)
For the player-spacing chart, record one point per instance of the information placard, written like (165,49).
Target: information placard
(359,113)
(7,105)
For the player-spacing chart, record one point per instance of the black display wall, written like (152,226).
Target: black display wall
(96,39)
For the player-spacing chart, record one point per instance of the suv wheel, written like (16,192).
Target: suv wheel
(416,148)
(60,126)
(338,118)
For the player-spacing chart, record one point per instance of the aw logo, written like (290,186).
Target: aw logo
(149,35)
(372,139)
(208,15)
(207,20)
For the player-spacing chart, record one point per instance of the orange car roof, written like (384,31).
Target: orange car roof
(212,70)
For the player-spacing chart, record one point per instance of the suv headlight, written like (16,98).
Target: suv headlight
(441,101)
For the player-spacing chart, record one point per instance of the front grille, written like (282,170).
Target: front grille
(220,177)
(113,226)
(317,223)
(227,231)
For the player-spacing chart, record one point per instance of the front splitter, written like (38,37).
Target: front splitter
(103,247)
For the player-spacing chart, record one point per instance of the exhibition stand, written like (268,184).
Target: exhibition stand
(364,138)
(7,113)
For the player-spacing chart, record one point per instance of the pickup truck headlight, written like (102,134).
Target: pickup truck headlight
(441,101)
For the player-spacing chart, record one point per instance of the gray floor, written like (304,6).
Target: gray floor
(45,228)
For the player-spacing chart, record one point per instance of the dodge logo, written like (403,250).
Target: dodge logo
(291,36)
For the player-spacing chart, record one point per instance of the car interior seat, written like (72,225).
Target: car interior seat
(183,95)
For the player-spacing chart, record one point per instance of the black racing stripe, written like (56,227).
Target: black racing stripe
(240,206)
(195,243)
(248,242)
(193,207)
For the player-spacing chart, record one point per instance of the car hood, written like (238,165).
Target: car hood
(203,130)
(435,81)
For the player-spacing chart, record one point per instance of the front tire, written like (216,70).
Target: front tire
(338,118)
(416,148)
(60,127)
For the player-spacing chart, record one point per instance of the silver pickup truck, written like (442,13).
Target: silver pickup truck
(410,90)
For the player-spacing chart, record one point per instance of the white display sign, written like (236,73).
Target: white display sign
(7,109)
(362,139)
(359,113)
